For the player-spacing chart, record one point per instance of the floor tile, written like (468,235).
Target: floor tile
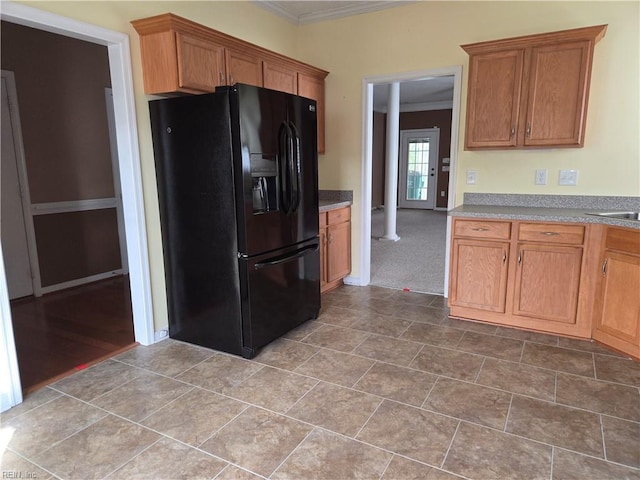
(387,349)
(97,450)
(433,334)
(142,396)
(336,367)
(491,346)
(335,299)
(13,466)
(470,402)
(484,454)
(518,378)
(339,409)
(410,431)
(381,325)
(450,363)
(42,427)
(558,425)
(97,380)
(272,389)
(602,397)
(405,469)
(257,440)
(573,466)
(562,359)
(234,473)
(219,372)
(402,384)
(414,298)
(340,316)
(527,336)
(169,357)
(620,370)
(168,459)
(419,313)
(439,302)
(336,338)
(622,441)
(586,346)
(29,402)
(285,354)
(326,456)
(303,330)
(195,416)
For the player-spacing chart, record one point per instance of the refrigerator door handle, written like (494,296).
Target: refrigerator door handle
(295,166)
(287,258)
(286,152)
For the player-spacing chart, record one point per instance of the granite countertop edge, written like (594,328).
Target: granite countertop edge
(327,205)
(545,214)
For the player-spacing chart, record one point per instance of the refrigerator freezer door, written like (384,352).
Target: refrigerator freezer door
(279,292)
(275,150)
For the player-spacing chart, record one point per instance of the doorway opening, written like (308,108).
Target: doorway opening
(129,176)
(443,185)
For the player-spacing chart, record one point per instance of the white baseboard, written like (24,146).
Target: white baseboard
(351,280)
(80,281)
(160,335)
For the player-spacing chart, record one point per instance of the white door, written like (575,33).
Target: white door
(418,168)
(13,230)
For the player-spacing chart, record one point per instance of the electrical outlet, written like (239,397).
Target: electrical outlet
(472,177)
(568,177)
(442,193)
(541,177)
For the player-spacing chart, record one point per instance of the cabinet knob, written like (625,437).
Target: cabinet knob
(513,130)
(528,130)
(480,229)
(604,267)
(550,234)
(504,257)
(519,257)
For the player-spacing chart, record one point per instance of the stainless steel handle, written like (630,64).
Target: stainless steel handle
(604,267)
(513,130)
(480,229)
(504,257)
(519,257)
(550,234)
(528,130)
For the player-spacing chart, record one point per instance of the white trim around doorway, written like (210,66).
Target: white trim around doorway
(367,152)
(117,44)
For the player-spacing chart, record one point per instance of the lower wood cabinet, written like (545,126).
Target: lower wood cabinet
(523,274)
(617,311)
(335,247)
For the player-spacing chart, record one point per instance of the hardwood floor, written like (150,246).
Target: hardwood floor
(64,331)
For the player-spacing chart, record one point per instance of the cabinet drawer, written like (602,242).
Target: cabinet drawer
(339,215)
(482,229)
(551,233)
(627,241)
(323,219)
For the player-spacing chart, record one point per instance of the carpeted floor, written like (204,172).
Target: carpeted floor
(416,261)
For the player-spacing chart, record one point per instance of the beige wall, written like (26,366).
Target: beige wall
(405,39)
(428,35)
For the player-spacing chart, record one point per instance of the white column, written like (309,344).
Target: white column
(391,173)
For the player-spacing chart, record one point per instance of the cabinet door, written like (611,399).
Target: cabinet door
(479,274)
(557,100)
(243,67)
(547,282)
(338,251)
(313,87)
(619,302)
(493,103)
(200,64)
(280,77)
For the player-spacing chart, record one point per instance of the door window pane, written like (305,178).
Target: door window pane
(418,169)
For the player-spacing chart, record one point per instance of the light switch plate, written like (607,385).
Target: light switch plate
(568,177)
(541,176)
(472,177)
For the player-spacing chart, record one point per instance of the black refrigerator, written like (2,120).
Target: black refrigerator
(237,174)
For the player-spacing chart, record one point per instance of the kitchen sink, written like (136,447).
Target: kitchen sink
(621,215)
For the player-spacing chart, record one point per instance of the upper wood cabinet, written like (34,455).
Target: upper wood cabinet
(179,55)
(530,91)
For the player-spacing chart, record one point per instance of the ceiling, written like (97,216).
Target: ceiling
(428,94)
(301,12)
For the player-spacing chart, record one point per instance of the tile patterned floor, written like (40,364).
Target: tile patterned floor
(382,386)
